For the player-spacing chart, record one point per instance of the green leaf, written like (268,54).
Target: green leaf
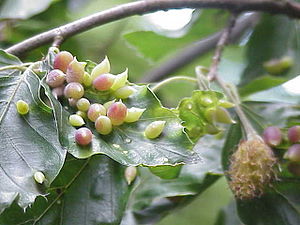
(205,25)
(127,143)
(228,216)
(92,191)
(20,9)
(166,172)
(261,84)
(148,203)
(28,143)
(272,38)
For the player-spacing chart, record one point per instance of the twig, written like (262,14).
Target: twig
(219,49)
(227,88)
(171,79)
(291,9)
(199,48)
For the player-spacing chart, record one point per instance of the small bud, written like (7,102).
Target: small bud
(154,129)
(117,113)
(211,129)
(74,90)
(95,111)
(130,174)
(75,71)
(82,114)
(294,168)
(225,104)
(72,102)
(293,153)
(58,91)
(206,100)
(223,116)
(83,136)
(83,104)
(133,114)
(120,80)
(108,104)
(101,68)
(124,92)
(251,168)
(39,177)
(294,134)
(55,78)
(103,125)
(87,80)
(103,82)
(278,66)
(22,107)
(210,114)
(272,136)
(62,60)
(76,121)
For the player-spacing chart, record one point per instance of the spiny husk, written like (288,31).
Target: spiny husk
(251,169)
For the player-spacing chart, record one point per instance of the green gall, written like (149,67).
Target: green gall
(102,68)
(211,129)
(62,61)
(87,80)
(22,107)
(103,125)
(95,111)
(120,80)
(74,90)
(39,177)
(117,113)
(223,116)
(124,92)
(76,120)
(210,114)
(278,66)
(251,168)
(130,174)
(75,71)
(133,114)
(225,104)
(83,104)
(103,82)
(82,114)
(154,129)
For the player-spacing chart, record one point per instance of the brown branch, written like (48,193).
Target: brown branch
(188,54)
(219,49)
(291,9)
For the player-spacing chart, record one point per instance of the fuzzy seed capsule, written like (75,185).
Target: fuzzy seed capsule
(55,78)
(117,113)
(62,60)
(120,80)
(294,134)
(74,90)
(293,153)
(87,80)
(75,71)
(102,68)
(124,92)
(22,107)
(272,136)
(130,174)
(83,136)
(154,129)
(96,110)
(103,125)
(76,120)
(133,114)
(39,177)
(103,82)
(83,104)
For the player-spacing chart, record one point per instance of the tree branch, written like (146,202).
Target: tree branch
(288,8)
(196,49)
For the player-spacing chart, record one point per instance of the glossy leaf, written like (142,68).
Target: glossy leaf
(28,143)
(92,191)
